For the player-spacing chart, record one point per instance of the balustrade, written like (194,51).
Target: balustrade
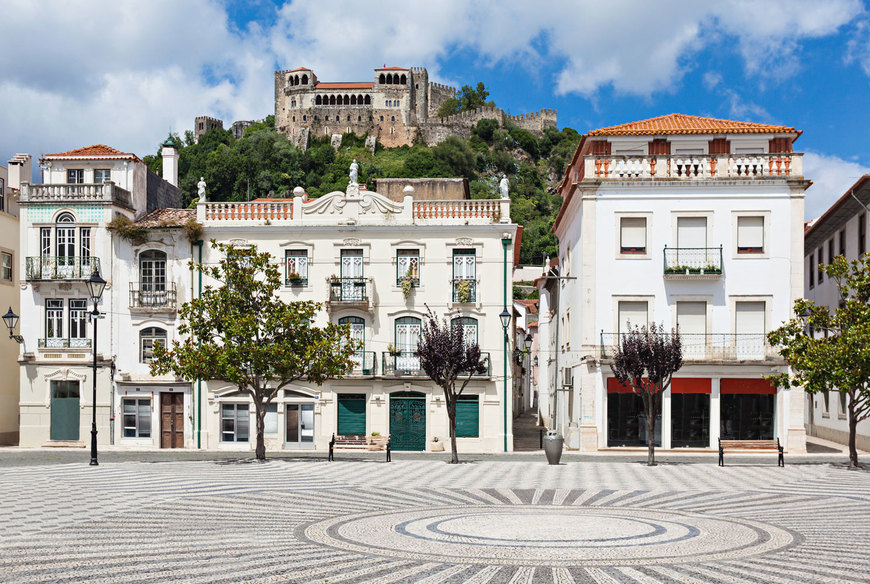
(692,167)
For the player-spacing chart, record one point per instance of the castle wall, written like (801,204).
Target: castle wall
(438,94)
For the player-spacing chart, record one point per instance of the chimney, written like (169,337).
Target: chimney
(20,170)
(169,153)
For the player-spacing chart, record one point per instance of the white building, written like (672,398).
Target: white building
(841,230)
(64,238)
(691,222)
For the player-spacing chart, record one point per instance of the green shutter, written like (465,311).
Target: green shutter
(352,415)
(467,417)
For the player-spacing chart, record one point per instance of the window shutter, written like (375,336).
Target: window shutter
(750,234)
(750,317)
(633,234)
(633,312)
(720,146)
(692,317)
(692,232)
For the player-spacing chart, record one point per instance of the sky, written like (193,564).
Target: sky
(125,73)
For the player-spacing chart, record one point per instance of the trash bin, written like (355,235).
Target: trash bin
(553,446)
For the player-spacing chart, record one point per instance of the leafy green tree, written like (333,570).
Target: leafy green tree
(828,351)
(243,334)
(646,360)
(466,99)
(485,129)
(448,358)
(455,157)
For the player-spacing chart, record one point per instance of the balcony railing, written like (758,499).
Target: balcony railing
(364,363)
(464,290)
(348,290)
(470,210)
(153,296)
(692,261)
(54,343)
(693,167)
(61,268)
(406,363)
(101,192)
(249,211)
(709,346)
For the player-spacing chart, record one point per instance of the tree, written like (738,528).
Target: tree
(838,359)
(468,98)
(446,354)
(646,360)
(242,333)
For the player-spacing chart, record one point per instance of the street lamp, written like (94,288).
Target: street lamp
(96,285)
(10,319)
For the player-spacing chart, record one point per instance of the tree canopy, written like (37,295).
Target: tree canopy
(466,99)
(827,350)
(240,332)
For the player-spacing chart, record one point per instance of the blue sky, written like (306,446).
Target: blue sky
(131,71)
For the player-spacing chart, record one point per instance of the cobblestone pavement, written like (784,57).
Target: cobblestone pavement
(425,522)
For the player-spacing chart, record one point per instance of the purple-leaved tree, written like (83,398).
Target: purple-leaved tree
(449,358)
(645,360)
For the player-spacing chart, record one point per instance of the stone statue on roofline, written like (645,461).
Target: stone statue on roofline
(503,187)
(354,172)
(200,190)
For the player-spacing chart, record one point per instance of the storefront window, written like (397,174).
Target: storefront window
(626,421)
(747,417)
(690,420)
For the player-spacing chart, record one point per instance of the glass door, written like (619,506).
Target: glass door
(66,251)
(407,338)
(352,274)
(300,425)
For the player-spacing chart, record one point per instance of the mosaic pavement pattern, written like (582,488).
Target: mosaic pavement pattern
(428,522)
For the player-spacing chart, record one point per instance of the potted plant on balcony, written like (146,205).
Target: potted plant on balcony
(463,290)
(407,284)
(392,350)
(294,278)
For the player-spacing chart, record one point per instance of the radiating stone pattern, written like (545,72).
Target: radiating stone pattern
(428,522)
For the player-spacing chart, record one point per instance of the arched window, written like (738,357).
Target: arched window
(359,99)
(348,119)
(304,118)
(66,218)
(358,334)
(392,118)
(318,100)
(352,100)
(152,279)
(359,118)
(293,103)
(326,118)
(294,118)
(404,80)
(469,329)
(65,242)
(331,100)
(305,80)
(381,79)
(296,80)
(407,337)
(147,338)
(368,100)
(382,118)
(389,78)
(346,100)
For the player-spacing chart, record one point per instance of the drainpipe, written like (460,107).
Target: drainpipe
(199,381)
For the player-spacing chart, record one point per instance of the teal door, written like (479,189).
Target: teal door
(408,421)
(351,414)
(64,410)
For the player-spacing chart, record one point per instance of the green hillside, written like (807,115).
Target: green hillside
(264,163)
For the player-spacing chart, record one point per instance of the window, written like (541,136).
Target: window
(85,242)
(358,333)
(862,234)
(632,235)
(152,274)
(2,195)
(843,410)
(235,422)
(692,326)
(53,321)
(820,267)
(45,242)
(467,416)
(464,275)
(75,176)
(407,338)
(469,329)
(270,420)
(842,251)
(78,318)
(147,338)
(137,418)
(811,270)
(750,327)
(6,266)
(830,251)
(102,175)
(632,314)
(296,267)
(408,265)
(750,235)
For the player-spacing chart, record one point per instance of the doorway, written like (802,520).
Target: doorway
(171,420)
(64,410)
(408,421)
(299,421)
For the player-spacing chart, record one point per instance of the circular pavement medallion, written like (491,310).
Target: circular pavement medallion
(562,535)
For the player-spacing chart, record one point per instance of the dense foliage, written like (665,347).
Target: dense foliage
(264,163)
(827,351)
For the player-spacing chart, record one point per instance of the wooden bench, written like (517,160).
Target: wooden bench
(359,444)
(751,445)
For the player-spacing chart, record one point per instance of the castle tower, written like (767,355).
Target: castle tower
(420,93)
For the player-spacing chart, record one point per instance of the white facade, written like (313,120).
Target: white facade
(710,242)
(841,230)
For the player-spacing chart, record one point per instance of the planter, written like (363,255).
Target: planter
(553,442)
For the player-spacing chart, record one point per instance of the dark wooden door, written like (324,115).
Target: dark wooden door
(171,420)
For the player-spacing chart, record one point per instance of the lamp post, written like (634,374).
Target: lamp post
(10,319)
(96,285)
(505,318)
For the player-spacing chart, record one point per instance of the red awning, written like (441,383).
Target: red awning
(747,386)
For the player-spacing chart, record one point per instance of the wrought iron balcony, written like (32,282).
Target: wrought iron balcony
(61,268)
(55,343)
(464,290)
(364,363)
(349,292)
(401,364)
(710,346)
(156,297)
(692,262)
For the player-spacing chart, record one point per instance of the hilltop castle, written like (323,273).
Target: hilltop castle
(399,106)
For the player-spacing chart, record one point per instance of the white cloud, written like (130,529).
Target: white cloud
(831,177)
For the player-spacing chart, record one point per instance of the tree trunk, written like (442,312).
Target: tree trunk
(260,452)
(451,416)
(853,429)
(649,403)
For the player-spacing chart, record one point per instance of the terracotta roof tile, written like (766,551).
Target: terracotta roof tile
(95,151)
(392,69)
(299,69)
(344,85)
(166,218)
(684,124)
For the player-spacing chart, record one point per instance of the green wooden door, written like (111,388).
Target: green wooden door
(467,416)
(64,410)
(351,414)
(408,421)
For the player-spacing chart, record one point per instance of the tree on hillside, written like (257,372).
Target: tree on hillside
(646,360)
(827,351)
(449,357)
(466,99)
(243,334)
